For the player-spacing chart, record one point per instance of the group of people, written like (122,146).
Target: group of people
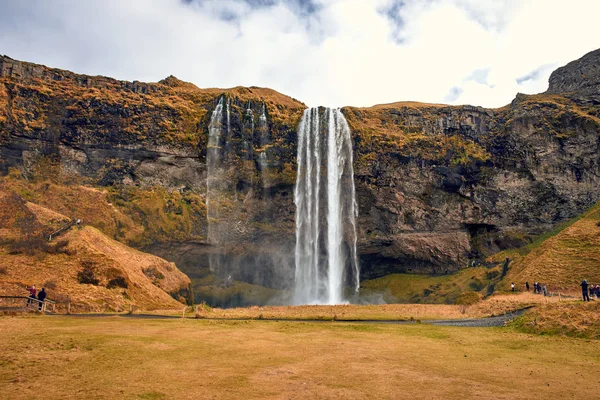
(589,290)
(538,288)
(34,295)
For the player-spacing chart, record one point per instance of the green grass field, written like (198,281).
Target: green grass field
(107,358)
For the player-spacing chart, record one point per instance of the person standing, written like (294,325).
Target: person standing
(584,290)
(527,285)
(512,286)
(41,297)
(32,294)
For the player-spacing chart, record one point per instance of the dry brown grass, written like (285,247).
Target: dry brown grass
(576,319)
(495,305)
(105,358)
(110,260)
(563,260)
(59,262)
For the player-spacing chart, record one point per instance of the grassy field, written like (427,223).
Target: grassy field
(107,358)
(495,305)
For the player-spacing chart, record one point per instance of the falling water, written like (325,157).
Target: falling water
(263,159)
(213,165)
(214,179)
(324,263)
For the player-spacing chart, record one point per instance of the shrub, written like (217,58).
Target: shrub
(468,299)
(58,247)
(50,285)
(87,275)
(29,245)
(119,282)
(153,273)
(493,274)
(3,271)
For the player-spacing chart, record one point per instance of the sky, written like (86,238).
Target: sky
(321,52)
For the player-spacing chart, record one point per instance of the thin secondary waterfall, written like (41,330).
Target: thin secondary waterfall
(325,263)
(214,179)
(263,129)
(213,166)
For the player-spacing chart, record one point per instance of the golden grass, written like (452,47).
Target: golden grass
(110,258)
(150,279)
(493,306)
(561,261)
(98,358)
(577,319)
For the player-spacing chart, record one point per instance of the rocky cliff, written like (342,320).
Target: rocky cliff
(437,185)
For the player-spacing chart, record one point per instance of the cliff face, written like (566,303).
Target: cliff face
(582,76)
(436,185)
(443,184)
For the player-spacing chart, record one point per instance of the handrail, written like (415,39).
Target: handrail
(41,305)
(62,229)
(28,298)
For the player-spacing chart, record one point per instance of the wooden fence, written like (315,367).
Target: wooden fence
(25,304)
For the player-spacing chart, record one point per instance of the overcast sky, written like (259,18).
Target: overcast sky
(322,52)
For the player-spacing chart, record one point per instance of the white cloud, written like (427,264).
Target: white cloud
(330,52)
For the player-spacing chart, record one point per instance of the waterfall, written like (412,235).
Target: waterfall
(214,179)
(263,129)
(325,263)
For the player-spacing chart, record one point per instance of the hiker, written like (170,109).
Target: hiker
(512,286)
(527,285)
(32,293)
(584,290)
(41,297)
(535,287)
(545,289)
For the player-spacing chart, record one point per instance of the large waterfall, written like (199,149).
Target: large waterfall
(326,209)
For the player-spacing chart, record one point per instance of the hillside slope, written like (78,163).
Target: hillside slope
(562,260)
(117,275)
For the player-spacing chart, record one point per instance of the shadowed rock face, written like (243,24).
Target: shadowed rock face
(436,185)
(582,75)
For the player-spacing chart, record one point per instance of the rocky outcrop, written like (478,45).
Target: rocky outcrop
(582,75)
(436,185)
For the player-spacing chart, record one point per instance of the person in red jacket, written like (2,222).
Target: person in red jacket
(32,294)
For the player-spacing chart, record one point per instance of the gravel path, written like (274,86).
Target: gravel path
(500,320)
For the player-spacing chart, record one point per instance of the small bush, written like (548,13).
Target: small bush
(87,275)
(50,285)
(59,247)
(468,299)
(493,274)
(118,282)
(29,245)
(153,273)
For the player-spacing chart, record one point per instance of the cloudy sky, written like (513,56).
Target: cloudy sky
(322,52)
